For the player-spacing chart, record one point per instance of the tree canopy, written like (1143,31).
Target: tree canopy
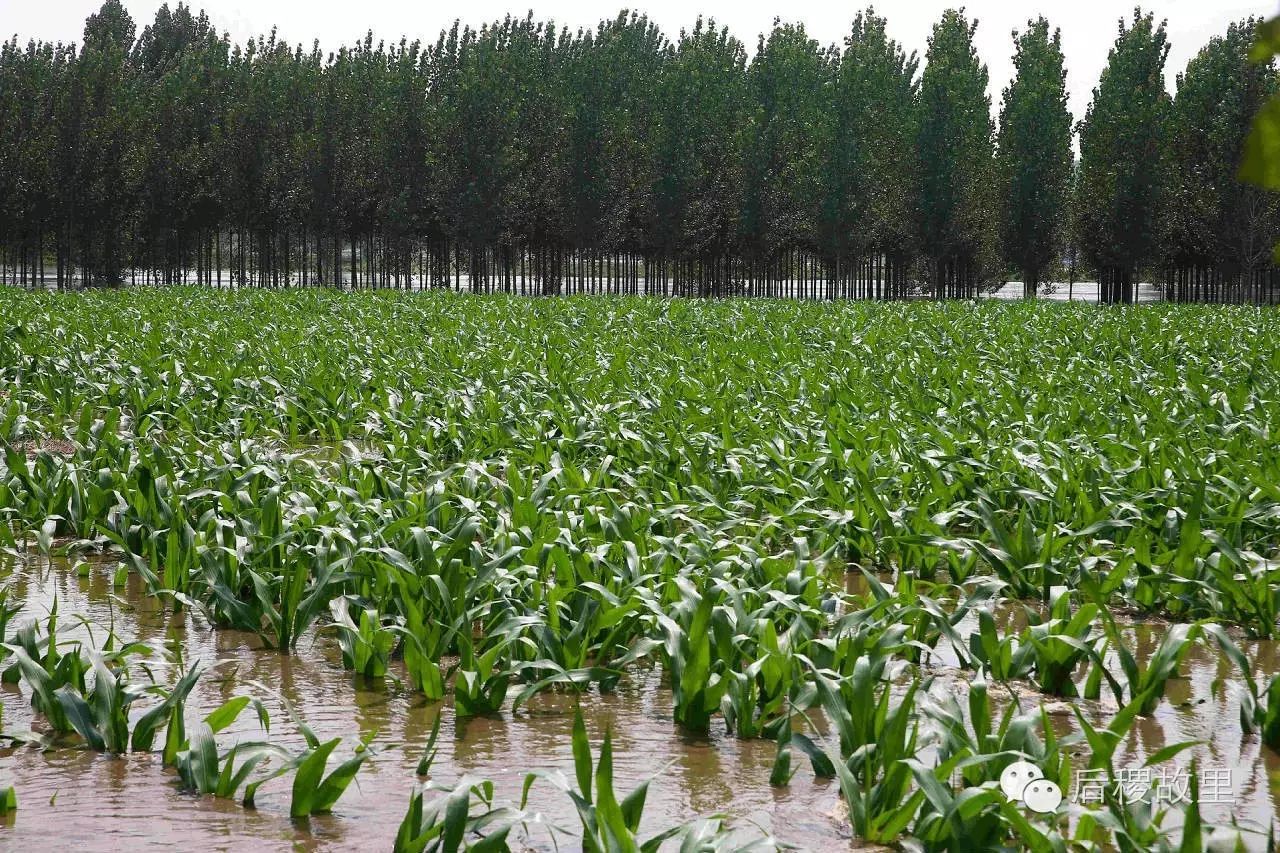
(956,159)
(1034,158)
(526,157)
(1217,228)
(1123,158)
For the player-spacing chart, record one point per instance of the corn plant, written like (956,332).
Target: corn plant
(292,600)
(101,717)
(451,821)
(687,653)
(366,646)
(1145,685)
(39,661)
(1060,644)
(1245,586)
(971,819)
(1002,658)
(204,771)
(756,695)
(982,745)
(314,791)
(610,824)
(424,641)
(483,676)
(877,737)
(588,626)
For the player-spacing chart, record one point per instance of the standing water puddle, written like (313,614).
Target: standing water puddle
(74,798)
(1202,705)
(77,798)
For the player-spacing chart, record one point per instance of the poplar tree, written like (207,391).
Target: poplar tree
(612,78)
(1122,159)
(956,161)
(787,134)
(703,106)
(1034,158)
(1218,231)
(871,180)
(522,157)
(104,94)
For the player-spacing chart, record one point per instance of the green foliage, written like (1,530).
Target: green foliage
(313,791)
(1213,219)
(483,676)
(1034,157)
(1260,162)
(956,160)
(522,157)
(1123,156)
(703,100)
(872,173)
(778,507)
(786,137)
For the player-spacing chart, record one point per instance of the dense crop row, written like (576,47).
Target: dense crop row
(516,496)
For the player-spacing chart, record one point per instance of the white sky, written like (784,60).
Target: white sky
(1088,26)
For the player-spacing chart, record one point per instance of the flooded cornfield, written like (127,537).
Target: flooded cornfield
(412,571)
(544,437)
(102,802)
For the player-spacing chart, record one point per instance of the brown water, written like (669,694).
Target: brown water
(1201,705)
(73,798)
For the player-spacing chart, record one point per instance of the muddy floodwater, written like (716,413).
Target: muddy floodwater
(78,799)
(72,798)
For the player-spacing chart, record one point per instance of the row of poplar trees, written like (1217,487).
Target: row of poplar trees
(528,158)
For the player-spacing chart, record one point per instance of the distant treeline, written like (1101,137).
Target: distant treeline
(528,158)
